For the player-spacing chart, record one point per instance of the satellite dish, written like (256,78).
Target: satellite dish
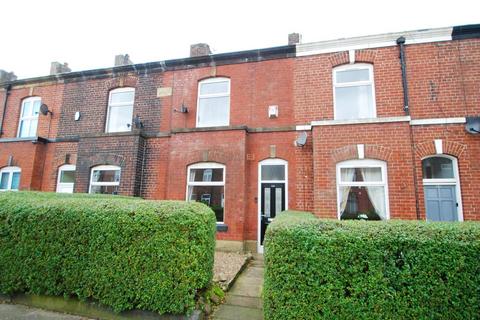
(44,109)
(301,140)
(473,125)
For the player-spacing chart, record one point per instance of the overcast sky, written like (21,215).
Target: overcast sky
(88,34)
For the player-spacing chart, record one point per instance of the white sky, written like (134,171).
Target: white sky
(88,34)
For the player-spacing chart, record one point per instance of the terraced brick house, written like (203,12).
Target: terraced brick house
(375,127)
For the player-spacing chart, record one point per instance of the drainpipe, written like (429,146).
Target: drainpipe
(7,93)
(401,44)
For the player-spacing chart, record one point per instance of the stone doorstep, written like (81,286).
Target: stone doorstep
(93,310)
(229,312)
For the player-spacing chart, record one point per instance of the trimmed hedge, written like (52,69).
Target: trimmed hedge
(328,269)
(125,253)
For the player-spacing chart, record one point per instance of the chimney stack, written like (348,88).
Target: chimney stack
(7,76)
(294,38)
(57,67)
(199,49)
(122,60)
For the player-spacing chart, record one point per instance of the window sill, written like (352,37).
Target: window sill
(360,121)
(222,227)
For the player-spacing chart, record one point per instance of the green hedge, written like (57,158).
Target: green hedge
(327,269)
(123,252)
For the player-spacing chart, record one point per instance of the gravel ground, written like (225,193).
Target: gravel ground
(226,267)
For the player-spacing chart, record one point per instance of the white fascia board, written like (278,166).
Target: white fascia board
(420,122)
(360,121)
(374,41)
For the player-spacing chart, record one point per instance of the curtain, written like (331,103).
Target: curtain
(376,194)
(346,175)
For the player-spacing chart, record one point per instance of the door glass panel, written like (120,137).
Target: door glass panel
(106,176)
(437,168)
(273,172)
(105,189)
(278,201)
(266,204)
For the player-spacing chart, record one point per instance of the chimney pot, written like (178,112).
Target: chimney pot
(199,49)
(57,67)
(7,76)
(122,60)
(294,38)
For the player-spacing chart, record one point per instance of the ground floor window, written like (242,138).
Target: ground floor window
(105,179)
(362,190)
(66,178)
(206,183)
(10,178)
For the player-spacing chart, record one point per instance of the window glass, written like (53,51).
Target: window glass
(206,184)
(106,175)
(354,92)
(354,102)
(353,75)
(362,191)
(205,174)
(214,87)
(120,110)
(4,180)
(67,176)
(122,97)
(15,180)
(10,178)
(213,103)
(273,172)
(29,117)
(213,111)
(361,174)
(212,196)
(104,189)
(437,168)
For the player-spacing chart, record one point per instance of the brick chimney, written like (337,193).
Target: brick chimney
(7,76)
(57,67)
(294,38)
(199,49)
(122,60)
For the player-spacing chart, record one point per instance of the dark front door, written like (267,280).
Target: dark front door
(272,203)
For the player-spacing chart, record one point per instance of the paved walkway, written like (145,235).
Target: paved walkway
(244,299)
(19,312)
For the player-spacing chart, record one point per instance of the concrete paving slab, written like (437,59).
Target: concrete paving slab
(250,302)
(228,312)
(19,312)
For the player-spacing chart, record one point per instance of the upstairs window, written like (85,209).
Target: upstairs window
(10,178)
(29,117)
(105,179)
(120,110)
(353,91)
(213,107)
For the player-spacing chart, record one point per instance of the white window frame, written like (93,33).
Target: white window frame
(268,162)
(455,181)
(215,95)
(26,118)
(207,165)
(63,185)
(371,82)
(119,104)
(104,168)
(10,170)
(363,163)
